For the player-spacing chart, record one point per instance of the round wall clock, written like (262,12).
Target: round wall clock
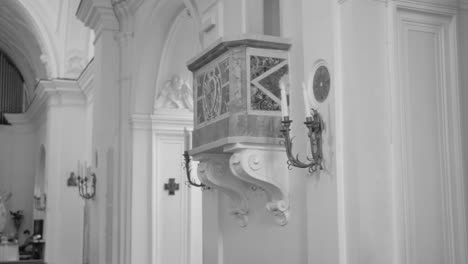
(321,84)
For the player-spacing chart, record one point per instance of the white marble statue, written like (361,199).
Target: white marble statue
(176,93)
(4,197)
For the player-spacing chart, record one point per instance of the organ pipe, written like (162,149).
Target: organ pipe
(11,88)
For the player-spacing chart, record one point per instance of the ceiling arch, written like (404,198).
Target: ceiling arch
(161,19)
(22,39)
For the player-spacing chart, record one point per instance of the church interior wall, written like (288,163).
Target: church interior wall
(365,134)
(463,60)
(348,214)
(19,165)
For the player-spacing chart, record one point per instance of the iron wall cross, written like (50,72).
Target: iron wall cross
(171,186)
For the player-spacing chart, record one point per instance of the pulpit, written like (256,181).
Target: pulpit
(237,116)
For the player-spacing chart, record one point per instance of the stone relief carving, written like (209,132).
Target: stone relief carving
(247,169)
(213,92)
(176,93)
(213,170)
(45,60)
(265,73)
(76,62)
(258,167)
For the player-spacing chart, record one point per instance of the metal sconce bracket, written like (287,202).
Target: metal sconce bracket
(188,169)
(85,191)
(40,202)
(315,126)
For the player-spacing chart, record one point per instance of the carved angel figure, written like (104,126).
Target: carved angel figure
(176,93)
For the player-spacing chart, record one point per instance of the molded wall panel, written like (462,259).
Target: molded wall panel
(429,200)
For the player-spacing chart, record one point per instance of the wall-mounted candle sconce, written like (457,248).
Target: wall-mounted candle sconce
(187,161)
(315,126)
(188,169)
(87,183)
(40,202)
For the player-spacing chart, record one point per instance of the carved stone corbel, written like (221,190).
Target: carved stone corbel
(213,171)
(262,166)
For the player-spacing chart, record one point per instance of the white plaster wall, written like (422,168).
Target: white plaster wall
(105,128)
(160,222)
(463,49)
(180,45)
(318,44)
(366,132)
(69,214)
(17,165)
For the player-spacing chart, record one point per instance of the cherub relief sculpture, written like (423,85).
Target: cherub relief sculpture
(176,93)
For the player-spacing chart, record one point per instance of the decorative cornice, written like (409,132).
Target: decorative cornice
(98,15)
(164,121)
(125,11)
(420,5)
(59,92)
(224,44)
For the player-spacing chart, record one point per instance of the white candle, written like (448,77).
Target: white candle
(284,102)
(306,101)
(85,169)
(187,139)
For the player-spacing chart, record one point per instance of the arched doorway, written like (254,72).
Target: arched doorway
(161,83)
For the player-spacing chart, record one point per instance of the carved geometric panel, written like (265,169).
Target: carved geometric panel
(265,73)
(212,92)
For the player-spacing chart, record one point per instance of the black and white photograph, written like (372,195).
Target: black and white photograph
(234,131)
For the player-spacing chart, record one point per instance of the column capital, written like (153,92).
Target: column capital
(125,11)
(98,15)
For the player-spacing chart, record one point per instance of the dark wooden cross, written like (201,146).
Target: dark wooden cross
(171,186)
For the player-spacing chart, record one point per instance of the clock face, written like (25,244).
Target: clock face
(321,84)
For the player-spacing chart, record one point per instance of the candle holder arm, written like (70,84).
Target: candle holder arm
(315,127)
(187,166)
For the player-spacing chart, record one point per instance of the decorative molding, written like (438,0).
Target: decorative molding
(168,121)
(423,6)
(125,11)
(58,92)
(413,16)
(98,15)
(222,45)
(76,62)
(213,171)
(260,167)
